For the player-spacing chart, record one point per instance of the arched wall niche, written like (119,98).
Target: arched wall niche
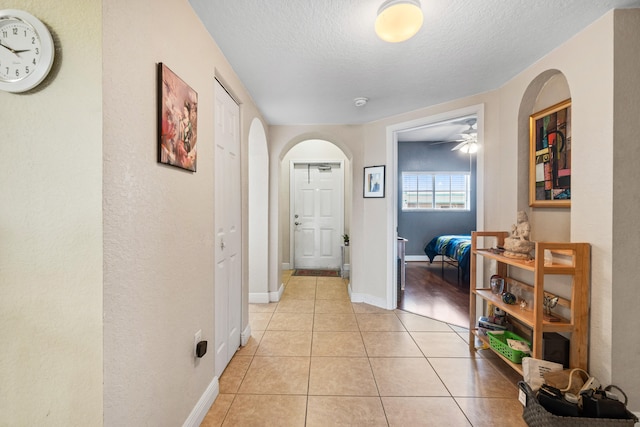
(547,89)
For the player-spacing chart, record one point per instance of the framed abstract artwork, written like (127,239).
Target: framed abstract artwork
(374,181)
(177,121)
(550,156)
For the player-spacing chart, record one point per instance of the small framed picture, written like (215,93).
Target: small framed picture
(374,181)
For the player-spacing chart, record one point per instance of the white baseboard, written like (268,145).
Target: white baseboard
(204,404)
(368,299)
(258,297)
(275,296)
(409,258)
(286,266)
(245,335)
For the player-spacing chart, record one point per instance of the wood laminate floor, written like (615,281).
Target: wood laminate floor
(428,294)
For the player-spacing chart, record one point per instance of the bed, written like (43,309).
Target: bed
(453,250)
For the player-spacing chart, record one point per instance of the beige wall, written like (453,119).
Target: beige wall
(625,298)
(159,224)
(51,230)
(88,212)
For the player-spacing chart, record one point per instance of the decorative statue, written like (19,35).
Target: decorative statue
(518,244)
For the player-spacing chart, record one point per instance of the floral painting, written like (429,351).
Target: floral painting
(178,121)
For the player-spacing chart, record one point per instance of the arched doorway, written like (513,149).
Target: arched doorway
(304,242)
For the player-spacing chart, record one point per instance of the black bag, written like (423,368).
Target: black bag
(600,404)
(553,401)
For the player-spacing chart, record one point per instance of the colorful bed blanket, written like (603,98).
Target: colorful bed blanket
(456,247)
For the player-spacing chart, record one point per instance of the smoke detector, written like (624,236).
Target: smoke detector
(360,102)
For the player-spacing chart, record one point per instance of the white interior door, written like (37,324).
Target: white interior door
(317,214)
(228,213)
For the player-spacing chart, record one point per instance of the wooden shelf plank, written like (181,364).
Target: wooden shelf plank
(523,315)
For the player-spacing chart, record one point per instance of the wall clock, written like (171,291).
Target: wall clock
(26,51)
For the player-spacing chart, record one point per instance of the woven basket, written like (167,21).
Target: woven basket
(535,415)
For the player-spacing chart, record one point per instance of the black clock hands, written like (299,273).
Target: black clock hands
(14,51)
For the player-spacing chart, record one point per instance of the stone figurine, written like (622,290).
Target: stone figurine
(518,244)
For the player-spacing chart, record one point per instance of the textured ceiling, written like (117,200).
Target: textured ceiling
(304,61)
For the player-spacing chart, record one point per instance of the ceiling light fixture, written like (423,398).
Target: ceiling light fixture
(398,20)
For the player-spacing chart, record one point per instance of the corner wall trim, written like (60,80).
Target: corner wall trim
(368,299)
(275,296)
(204,404)
(245,335)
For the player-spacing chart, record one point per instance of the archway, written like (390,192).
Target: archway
(312,152)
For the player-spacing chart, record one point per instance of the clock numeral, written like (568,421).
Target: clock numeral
(4,34)
(33,40)
(17,73)
(15,31)
(34,61)
(37,51)
(26,69)
(7,72)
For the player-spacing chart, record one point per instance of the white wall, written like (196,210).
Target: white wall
(258,227)
(51,230)
(159,224)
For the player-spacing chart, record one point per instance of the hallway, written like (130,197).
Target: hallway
(316,359)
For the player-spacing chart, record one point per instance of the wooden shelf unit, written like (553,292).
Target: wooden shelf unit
(576,263)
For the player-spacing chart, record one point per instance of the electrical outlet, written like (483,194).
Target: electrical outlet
(196,339)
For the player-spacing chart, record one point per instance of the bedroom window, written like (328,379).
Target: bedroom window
(435,191)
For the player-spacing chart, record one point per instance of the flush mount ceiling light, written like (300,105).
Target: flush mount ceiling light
(398,20)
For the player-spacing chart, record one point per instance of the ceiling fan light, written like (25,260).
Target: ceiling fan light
(467,147)
(398,20)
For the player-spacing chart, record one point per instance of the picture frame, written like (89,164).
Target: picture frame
(374,182)
(177,121)
(550,156)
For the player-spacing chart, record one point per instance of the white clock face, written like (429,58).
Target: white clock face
(26,51)
(20,49)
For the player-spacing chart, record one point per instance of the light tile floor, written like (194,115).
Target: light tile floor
(316,359)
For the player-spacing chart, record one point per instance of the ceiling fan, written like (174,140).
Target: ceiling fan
(468,141)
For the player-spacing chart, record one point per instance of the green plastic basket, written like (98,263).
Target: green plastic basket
(498,342)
